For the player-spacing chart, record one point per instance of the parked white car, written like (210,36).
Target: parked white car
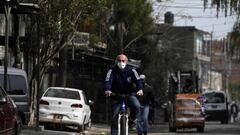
(65,106)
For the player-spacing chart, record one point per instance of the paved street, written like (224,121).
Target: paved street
(212,128)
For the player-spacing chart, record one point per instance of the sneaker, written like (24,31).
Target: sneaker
(132,127)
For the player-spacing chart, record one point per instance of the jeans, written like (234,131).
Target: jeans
(144,119)
(132,102)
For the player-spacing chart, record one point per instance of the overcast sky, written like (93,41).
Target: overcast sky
(191,13)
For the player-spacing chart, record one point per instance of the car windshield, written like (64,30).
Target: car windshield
(214,97)
(186,102)
(61,93)
(16,84)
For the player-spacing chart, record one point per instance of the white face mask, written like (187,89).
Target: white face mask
(121,65)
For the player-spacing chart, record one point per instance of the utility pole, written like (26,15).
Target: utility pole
(38,77)
(227,65)
(7,19)
(211,43)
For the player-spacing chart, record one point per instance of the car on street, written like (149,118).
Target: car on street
(18,90)
(189,114)
(10,123)
(65,106)
(216,106)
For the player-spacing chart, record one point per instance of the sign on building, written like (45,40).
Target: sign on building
(81,39)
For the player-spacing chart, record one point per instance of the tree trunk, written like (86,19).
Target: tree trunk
(63,68)
(120,33)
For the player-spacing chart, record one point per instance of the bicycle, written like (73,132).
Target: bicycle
(123,115)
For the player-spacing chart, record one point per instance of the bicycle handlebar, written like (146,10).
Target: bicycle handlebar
(122,95)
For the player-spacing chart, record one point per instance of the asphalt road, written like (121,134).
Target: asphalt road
(211,128)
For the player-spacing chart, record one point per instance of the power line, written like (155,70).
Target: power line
(219,24)
(190,3)
(220,31)
(203,17)
(186,3)
(185,7)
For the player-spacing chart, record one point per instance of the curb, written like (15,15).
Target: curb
(40,128)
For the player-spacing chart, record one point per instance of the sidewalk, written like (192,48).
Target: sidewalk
(44,132)
(32,131)
(97,129)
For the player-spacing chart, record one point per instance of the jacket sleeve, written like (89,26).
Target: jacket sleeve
(108,80)
(137,80)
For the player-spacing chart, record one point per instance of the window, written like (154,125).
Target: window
(61,93)
(16,84)
(186,102)
(214,97)
(199,45)
(84,98)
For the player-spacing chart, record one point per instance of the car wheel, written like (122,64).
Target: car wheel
(225,121)
(89,124)
(81,128)
(16,130)
(171,125)
(200,129)
(18,126)
(45,125)
(172,128)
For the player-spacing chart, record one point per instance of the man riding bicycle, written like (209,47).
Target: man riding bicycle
(120,80)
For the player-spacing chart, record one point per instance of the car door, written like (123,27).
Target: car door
(2,112)
(6,115)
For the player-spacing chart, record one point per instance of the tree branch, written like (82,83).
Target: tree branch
(136,38)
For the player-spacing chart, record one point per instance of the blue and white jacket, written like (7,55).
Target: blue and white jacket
(122,81)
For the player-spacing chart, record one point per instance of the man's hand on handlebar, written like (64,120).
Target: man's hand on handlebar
(140,93)
(108,93)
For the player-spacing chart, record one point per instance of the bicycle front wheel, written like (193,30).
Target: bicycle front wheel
(123,125)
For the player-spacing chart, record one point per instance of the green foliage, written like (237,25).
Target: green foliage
(135,14)
(234,7)
(59,20)
(94,39)
(234,44)
(63,16)
(234,90)
(234,50)
(224,5)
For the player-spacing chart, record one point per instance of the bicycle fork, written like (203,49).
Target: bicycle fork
(123,121)
(123,124)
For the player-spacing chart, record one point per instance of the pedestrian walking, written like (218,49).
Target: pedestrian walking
(234,111)
(146,101)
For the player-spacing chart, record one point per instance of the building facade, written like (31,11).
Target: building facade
(189,50)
